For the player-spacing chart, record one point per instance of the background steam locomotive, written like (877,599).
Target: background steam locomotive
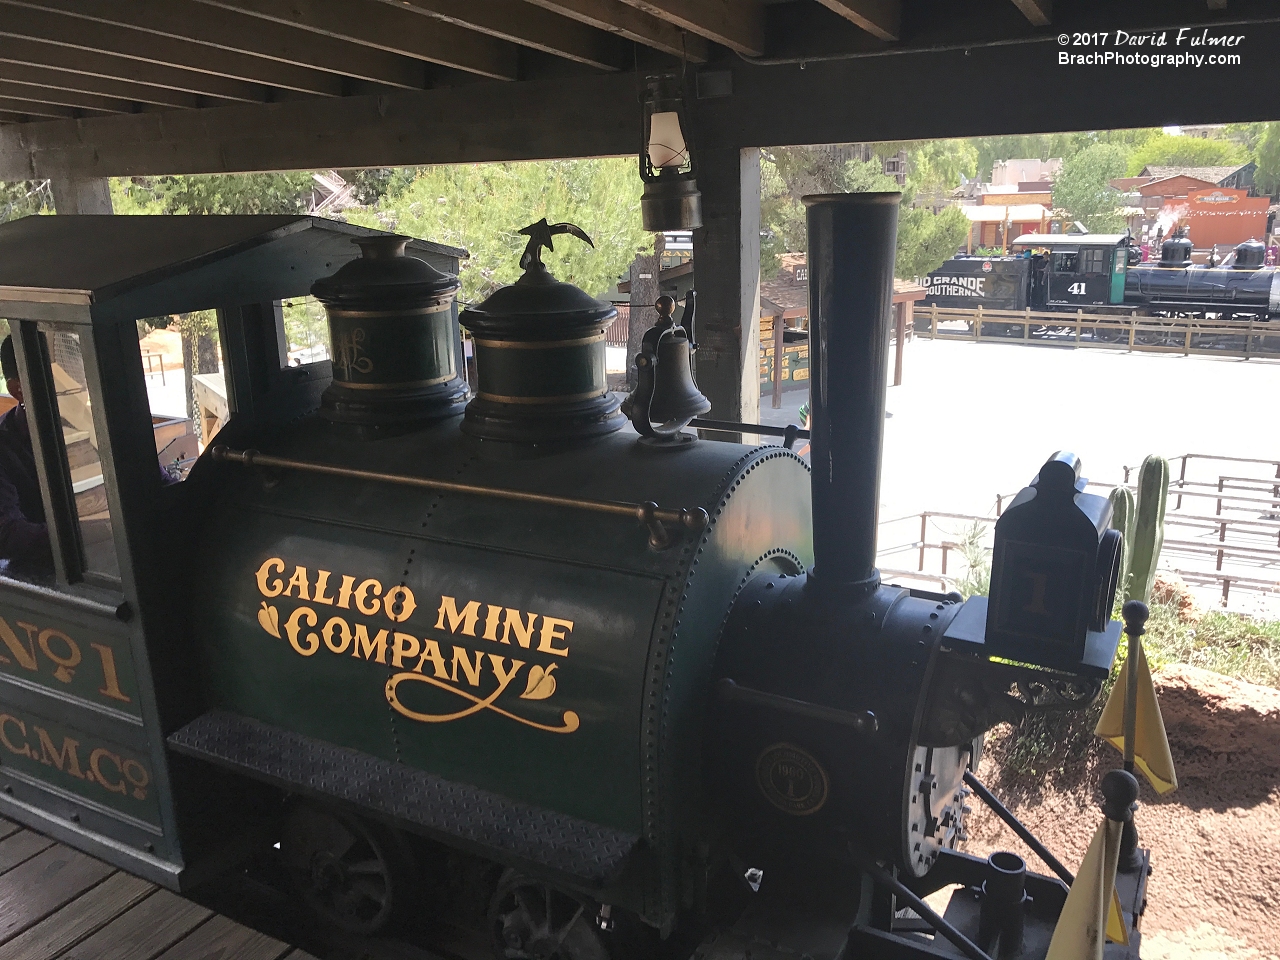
(599,688)
(1102,273)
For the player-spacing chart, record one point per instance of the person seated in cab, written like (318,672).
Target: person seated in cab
(24,536)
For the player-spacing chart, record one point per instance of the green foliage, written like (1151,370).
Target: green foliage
(1148,527)
(925,239)
(1048,146)
(21,198)
(976,580)
(1123,508)
(1167,150)
(1226,643)
(1267,156)
(482,206)
(1083,190)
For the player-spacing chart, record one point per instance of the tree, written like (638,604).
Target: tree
(1167,150)
(925,239)
(22,198)
(482,206)
(1083,189)
(1267,157)
(935,167)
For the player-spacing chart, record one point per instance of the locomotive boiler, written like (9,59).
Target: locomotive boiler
(614,689)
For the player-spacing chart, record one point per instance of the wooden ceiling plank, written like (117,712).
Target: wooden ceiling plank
(84,83)
(65,98)
(1039,12)
(25,20)
(375,27)
(736,24)
(880,18)
(529,26)
(631,24)
(92,63)
(34,108)
(234,32)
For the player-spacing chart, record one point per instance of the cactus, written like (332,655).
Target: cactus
(1148,527)
(1122,511)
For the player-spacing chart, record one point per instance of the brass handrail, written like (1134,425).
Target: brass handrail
(650,514)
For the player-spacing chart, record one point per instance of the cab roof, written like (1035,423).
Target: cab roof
(1070,239)
(107,268)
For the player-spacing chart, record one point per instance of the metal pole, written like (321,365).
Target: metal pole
(900,890)
(852,238)
(1016,825)
(779,346)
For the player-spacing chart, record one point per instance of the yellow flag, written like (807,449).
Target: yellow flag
(1151,746)
(1080,933)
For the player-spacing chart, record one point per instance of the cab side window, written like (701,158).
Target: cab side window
(1095,261)
(1064,263)
(81,459)
(185,375)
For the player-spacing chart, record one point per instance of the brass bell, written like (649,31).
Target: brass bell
(666,398)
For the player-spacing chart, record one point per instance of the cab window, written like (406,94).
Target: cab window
(306,332)
(182,364)
(1064,262)
(80,442)
(1095,261)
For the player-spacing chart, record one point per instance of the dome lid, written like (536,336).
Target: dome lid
(538,306)
(384,272)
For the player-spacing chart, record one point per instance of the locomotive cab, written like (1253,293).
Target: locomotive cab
(1080,269)
(94,668)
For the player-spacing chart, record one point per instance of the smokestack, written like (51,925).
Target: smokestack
(852,241)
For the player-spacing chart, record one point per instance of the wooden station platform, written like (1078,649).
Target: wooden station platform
(58,903)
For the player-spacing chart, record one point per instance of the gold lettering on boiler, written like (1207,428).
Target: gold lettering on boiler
(510,641)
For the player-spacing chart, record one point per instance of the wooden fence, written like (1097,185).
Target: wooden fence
(1232,338)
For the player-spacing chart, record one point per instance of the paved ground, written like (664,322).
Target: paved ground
(972,420)
(975,419)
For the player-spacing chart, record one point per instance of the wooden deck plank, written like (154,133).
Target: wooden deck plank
(8,827)
(46,882)
(144,931)
(78,919)
(21,847)
(298,955)
(224,939)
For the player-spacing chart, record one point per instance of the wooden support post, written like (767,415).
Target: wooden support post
(645,290)
(81,196)
(779,345)
(933,321)
(900,331)
(727,267)
(924,531)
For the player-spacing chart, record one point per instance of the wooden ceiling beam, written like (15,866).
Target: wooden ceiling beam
(28,21)
(34,108)
(66,98)
(736,24)
(83,83)
(880,18)
(92,63)
(233,32)
(631,24)
(378,30)
(529,26)
(1039,12)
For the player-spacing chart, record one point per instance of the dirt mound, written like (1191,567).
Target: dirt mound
(1224,733)
(1214,889)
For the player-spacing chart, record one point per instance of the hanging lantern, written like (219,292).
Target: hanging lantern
(671,200)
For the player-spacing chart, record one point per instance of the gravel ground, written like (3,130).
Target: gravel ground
(1215,890)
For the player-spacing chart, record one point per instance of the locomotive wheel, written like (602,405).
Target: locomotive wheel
(530,921)
(346,874)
